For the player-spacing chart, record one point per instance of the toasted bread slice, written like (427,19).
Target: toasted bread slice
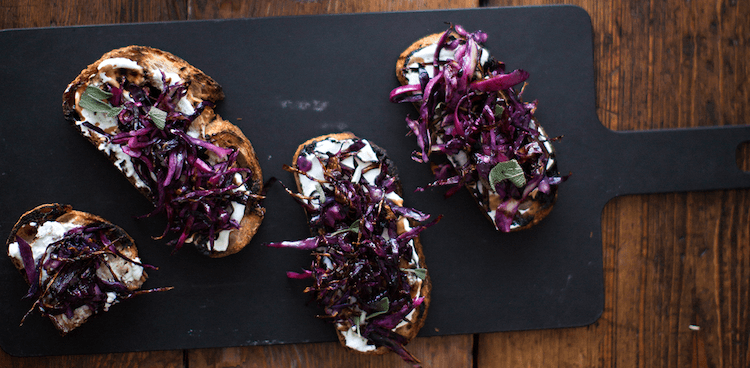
(419,287)
(48,223)
(152,68)
(514,213)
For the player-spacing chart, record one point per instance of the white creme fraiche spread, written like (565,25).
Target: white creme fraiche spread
(105,75)
(48,233)
(425,57)
(365,165)
(221,243)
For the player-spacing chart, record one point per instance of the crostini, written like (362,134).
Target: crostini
(475,130)
(368,270)
(152,114)
(77,264)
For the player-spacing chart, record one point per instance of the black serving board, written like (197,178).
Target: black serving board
(289,79)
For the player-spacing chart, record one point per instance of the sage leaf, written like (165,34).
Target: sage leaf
(509,170)
(94,100)
(115,111)
(381,307)
(97,93)
(159,117)
(354,227)
(89,102)
(499,109)
(419,272)
(321,192)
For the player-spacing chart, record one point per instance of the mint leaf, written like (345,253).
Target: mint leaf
(509,170)
(419,272)
(159,117)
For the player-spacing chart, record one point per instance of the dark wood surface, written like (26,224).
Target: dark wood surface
(676,266)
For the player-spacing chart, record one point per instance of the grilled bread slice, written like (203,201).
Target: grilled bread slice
(30,247)
(485,102)
(352,196)
(133,89)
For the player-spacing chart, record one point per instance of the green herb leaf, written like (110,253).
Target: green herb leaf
(321,192)
(419,272)
(159,117)
(97,93)
(499,109)
(354,227)
(509,170)
(92,100)
(95,100)
(115,111)
(381,306)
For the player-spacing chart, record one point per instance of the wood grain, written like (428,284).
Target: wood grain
(743,156)
(675,265)
(441,351)
(159,359)
(204,9)
(40,13)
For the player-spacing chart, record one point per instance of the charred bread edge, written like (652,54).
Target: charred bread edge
(218,131)
(52,212)
(202,86)
(545,203)
(405,56)
(409,330)
(221,131)
(55,211)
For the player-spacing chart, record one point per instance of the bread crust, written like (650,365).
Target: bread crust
(538,205)
(212,127)
(412,327)
(405,58)
(66,214)
(225,134)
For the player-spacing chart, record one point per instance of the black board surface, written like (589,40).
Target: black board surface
(289,79)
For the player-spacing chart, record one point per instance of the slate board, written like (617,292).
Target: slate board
(292,78)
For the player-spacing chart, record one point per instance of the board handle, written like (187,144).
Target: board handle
(677,160)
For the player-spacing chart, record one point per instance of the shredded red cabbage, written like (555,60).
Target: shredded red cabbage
(470,107)
(191,181)
(69,274)
(359,252)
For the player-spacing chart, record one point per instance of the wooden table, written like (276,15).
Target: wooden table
(676,266)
